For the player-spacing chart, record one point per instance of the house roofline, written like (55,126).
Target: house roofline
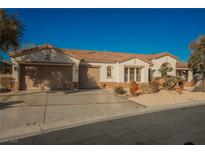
(164,54)
(26,51)
(150,63)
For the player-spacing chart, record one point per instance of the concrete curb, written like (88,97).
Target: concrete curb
(21,132)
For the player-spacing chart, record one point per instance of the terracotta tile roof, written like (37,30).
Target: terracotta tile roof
(155,56)
(100,56)
(25,51)
(113,56)
(182,65)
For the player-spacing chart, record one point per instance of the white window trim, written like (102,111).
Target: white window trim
(135,75)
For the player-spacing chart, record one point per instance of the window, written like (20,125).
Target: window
(138,74)
(132,74)
(109,72)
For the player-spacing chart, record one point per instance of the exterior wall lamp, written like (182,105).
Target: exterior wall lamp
(15,68)
(76,68)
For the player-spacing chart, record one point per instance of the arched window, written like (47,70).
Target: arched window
(109,71)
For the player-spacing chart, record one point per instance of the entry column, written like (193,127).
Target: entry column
(128,74)
(75,78)
(190,76)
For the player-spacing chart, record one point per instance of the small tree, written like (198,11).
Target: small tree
(165,68)
(197,58)
(11,31)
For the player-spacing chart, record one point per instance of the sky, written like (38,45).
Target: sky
(122,30)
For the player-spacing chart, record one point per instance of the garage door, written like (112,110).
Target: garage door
(89,77)
(45,77)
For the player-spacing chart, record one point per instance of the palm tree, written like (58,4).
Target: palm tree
(11,31)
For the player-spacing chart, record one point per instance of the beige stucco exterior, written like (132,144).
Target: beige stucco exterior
(118,70)
(56,58)
(103,70)
(134,63)
(158,63)
(52,57)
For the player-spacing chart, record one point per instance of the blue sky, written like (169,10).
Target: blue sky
(124,30)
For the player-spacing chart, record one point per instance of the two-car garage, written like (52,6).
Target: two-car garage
(45,77)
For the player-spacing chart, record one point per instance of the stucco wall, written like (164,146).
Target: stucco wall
(15,69)
(158,63)
(137,62)
(118,70)
(40,56)
(103,71)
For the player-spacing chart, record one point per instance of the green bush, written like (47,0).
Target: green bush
(119,90)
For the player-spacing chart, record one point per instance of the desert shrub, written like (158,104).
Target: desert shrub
(6,82)
(166,81)
(160,81)
(169,81)
(144,89)
(104,86)
(154,86)
(181,84)
(119,90)
(133,88)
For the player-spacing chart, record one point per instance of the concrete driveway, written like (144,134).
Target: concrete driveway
(30,108)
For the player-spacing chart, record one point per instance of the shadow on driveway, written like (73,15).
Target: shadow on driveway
(9,104)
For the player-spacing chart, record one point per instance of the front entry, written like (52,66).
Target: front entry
(89,77)
(150,74)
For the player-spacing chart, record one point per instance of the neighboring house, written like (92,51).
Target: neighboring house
(5,67)
(47,67)
(183,71)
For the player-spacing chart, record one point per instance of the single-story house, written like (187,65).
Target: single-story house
(48,67)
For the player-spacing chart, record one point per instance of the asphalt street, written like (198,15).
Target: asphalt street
(178,126)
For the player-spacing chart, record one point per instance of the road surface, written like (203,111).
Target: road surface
(178,126)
